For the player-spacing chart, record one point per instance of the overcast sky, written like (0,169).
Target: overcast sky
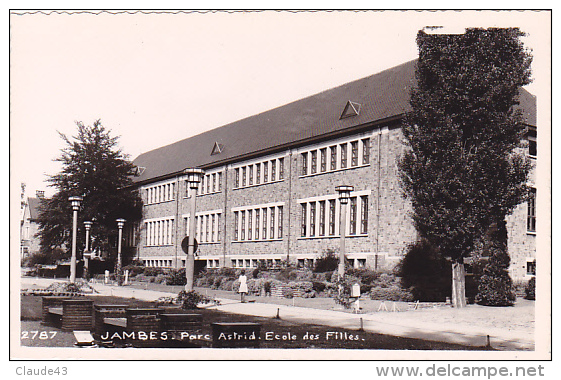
(154,79)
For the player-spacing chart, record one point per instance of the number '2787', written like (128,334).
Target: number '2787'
(44,335)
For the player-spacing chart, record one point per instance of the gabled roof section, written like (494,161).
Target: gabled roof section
(381,97)
(33,205)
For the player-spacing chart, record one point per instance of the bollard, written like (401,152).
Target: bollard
(278,313)
(488,341)
(361,325)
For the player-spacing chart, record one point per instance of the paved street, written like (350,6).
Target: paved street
(419,324)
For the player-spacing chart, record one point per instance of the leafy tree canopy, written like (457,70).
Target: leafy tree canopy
(463,170)
(94,168)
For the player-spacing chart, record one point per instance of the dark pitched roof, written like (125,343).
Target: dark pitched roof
(381,96)
(33,204)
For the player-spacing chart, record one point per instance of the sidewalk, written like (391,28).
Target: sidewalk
(410,324)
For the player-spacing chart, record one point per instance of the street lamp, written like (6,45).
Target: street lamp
(120,224)
(194,177)
(87,253)
(75,202)
(344,195)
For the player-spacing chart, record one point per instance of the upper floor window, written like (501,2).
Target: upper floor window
(532,142)
(531,224)
(160,193)
(259,173)
(335,157)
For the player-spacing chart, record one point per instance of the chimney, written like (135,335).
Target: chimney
(40,194)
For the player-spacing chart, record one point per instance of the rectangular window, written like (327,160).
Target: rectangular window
(244,176)
(364,214)
(218,227)
(343,155)
(257,211)
(249,224)
(214,183)
(531,267)
(258,174)
(354,153)
(365,151)
(243,225)
(313,219)
(236,225)
(332,217)
(220,181)
(265,171)
(213,228)
(532,142)
(532,211)
(304,163)
(314,161)
(237,178)
(250,174)
(209,184)
(353,216)
(272,233)
(273,169)
(304,219)
(321,218)
(281,168)
(264,223)
(323,160)
(280,222)
(333,151)
(207,228)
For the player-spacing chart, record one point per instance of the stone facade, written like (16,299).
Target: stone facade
(388,226)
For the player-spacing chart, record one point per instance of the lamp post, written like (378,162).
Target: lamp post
(75,202)
(194,177)
(87,253)
(120,224)
(344,195)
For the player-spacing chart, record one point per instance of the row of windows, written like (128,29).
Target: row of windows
(335,157)
(207,227)
(258,223)
(159,232)
(321,218)
(160,263)
(254,263)
(160,193)
(258,173)
(211,183)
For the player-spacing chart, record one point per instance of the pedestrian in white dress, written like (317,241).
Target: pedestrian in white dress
(243,286)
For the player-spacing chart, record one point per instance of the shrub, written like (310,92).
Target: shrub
(495,285)
(191,299)
(328,262)
(267,287)
(388,287)
(255,273)
(176,277)
(531,289)
(151,271)
(426,272)
(318,286)
(134,270)
(160,279)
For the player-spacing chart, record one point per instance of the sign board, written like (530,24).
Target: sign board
(185,245)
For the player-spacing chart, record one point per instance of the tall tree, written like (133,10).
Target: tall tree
(463,171)
(95,168)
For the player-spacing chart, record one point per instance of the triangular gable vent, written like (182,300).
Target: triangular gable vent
(351,109)
(216,149)
(139,170)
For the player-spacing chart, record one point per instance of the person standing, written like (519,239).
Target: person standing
(243,285)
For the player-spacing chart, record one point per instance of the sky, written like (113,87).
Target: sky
(156,78)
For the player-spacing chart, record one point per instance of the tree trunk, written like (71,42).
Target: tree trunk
(458,285)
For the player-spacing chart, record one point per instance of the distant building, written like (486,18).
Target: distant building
(269,190)
(29,225)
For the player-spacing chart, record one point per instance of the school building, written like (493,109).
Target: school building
(268,193)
